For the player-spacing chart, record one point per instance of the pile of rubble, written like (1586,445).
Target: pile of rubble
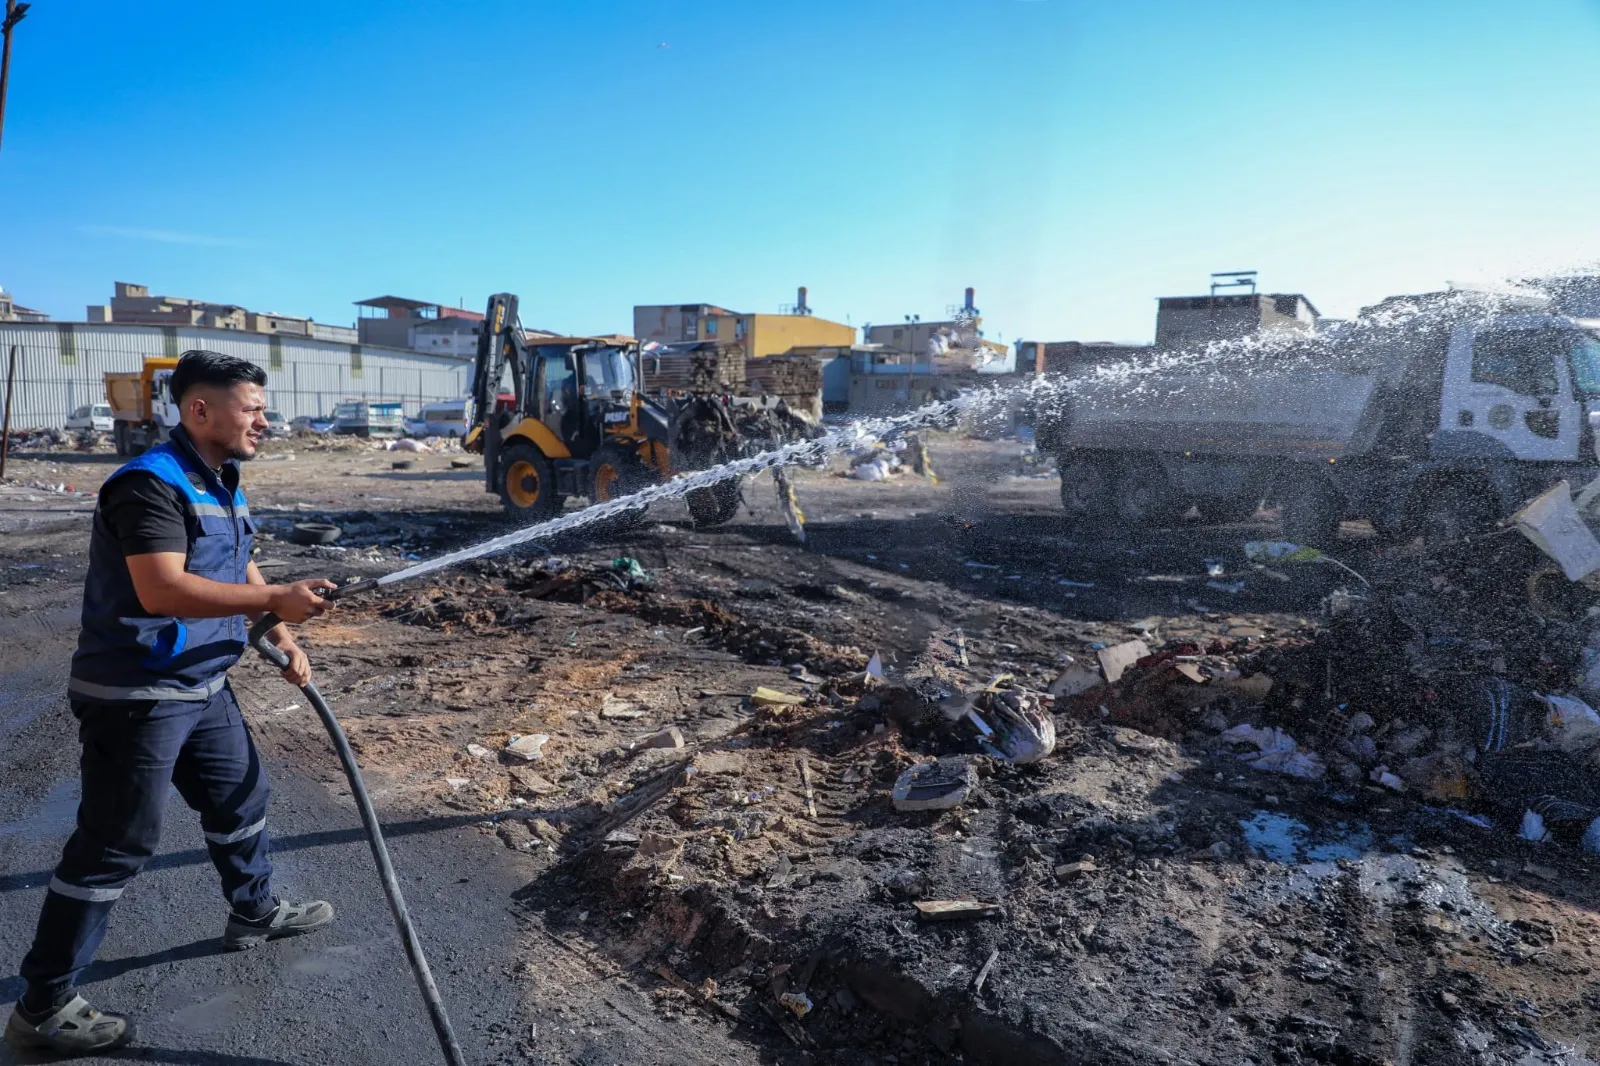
(1201,840)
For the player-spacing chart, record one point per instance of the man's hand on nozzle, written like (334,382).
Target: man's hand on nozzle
(299,601)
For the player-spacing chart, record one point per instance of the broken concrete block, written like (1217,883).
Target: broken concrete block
(1115,660)
(670,738)
(1068,870)
(771,697)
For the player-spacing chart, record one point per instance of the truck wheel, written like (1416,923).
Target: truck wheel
(1085,488)
(717,504)
(1142,495)
(1311,514)
(1228,510)
(1446,512)
(528,483)
(119,437)
(613,474)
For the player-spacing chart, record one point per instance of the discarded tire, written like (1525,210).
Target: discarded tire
(311,533)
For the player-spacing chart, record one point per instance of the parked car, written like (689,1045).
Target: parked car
(445,419)
(276,426)
(95,416)
(311,424)
(362,419)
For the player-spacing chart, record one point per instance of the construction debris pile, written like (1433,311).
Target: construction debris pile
(1201,833)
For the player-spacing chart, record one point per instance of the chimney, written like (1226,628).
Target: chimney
(969,307)
(800,307)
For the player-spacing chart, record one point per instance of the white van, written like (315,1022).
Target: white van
(95,416)
(445,419)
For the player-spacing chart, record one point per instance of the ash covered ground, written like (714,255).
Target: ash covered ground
(1287,833)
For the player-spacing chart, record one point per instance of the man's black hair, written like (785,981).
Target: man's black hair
(200,367)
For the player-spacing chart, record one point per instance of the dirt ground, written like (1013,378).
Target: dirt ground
(1155,897)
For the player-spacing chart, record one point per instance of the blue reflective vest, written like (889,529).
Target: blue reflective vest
(127,653)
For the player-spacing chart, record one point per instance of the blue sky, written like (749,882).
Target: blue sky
(1070,159)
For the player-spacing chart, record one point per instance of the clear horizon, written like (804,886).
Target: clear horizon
(1072,163)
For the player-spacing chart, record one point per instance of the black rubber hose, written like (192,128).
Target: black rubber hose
(380,851)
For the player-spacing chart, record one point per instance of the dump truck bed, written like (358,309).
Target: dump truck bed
(1308,414)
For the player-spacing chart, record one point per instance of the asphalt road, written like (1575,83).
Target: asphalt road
(341,996)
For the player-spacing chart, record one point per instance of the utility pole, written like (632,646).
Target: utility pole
(14,15)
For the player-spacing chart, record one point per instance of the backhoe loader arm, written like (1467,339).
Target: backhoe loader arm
(499,343)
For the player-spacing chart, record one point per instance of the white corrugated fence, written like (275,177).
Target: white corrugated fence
(60,366)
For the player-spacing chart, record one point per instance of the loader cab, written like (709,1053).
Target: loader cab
(584,392)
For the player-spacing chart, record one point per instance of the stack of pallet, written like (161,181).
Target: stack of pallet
(707,369)
(795,378)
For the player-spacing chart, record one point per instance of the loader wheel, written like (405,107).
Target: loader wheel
(615,473)
(527,484)
(1085,488)
(715,505)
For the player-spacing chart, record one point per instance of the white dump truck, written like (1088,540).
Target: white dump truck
(1439,423)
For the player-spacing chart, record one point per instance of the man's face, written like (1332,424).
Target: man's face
(231,420)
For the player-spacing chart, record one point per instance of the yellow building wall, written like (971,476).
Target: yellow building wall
(776,334)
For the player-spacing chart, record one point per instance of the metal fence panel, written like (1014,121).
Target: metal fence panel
(61,366)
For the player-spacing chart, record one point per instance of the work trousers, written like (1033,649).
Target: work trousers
(132,752)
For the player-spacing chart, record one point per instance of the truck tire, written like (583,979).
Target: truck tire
(527,483)
(1311,513)
(716,505)
(1227,510)
(1085,487)
(614,473)
(1142,495)
(119,437)
(1444,512)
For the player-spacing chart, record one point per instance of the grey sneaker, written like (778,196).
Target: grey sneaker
(75,1029)
(290,919)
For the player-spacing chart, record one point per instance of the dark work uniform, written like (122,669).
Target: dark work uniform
(154,708)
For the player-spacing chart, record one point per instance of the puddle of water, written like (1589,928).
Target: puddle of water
(1392,878)
(1285,839)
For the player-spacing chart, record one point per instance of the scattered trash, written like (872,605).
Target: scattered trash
(1543,873)
(1230,587)
(1380,775)
(1075,680)
(934,786)
(1069,870)
(771,697)
(1282,551)
(798,1002)
(408,444)
(1553,524)
(529,747)
(312,533)
(875,667)
(630,570)
(1275,751)
(1533,827)
(458,783)
(944,910)
(1115,660)
(1010,721)
(983,974)
(478,751)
